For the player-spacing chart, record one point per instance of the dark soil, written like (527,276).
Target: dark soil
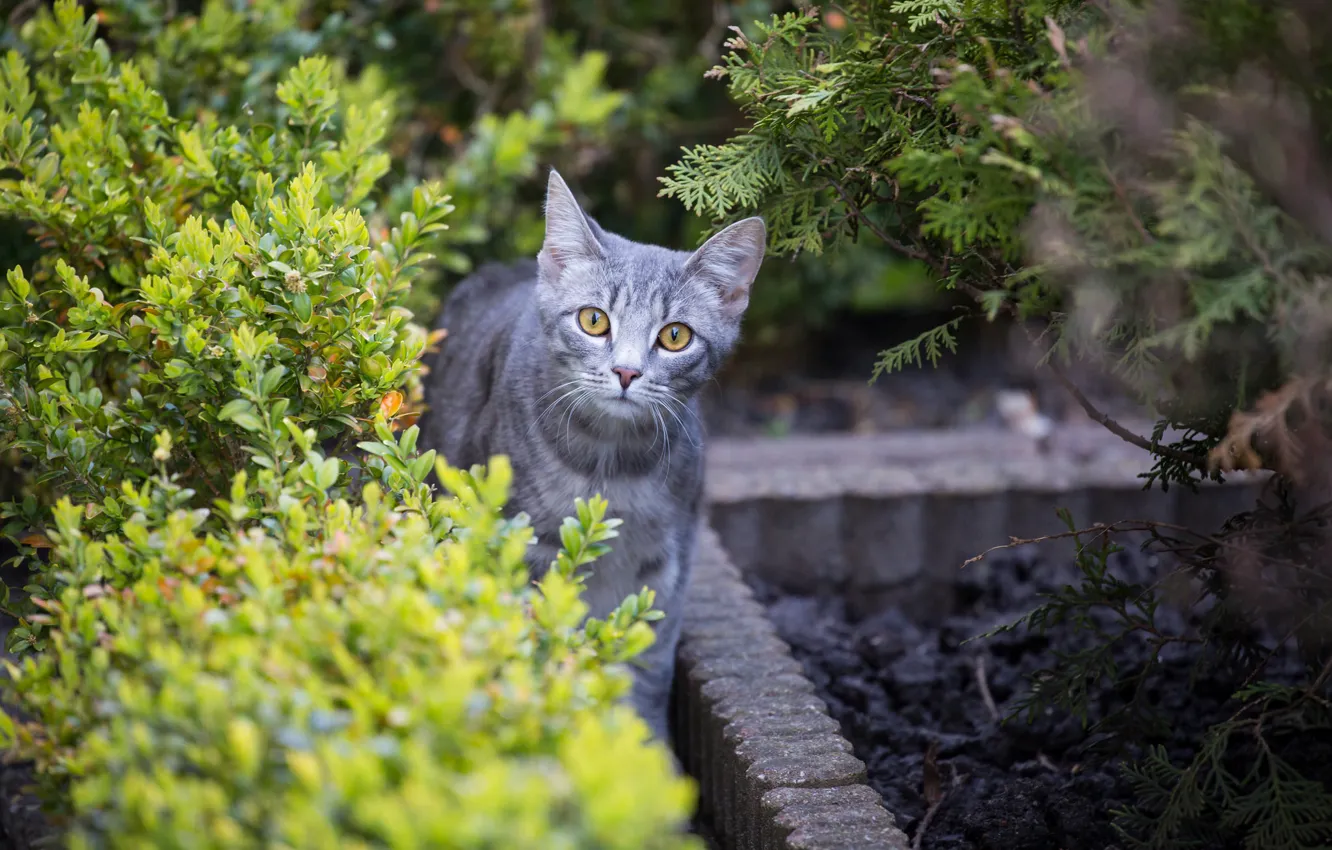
(898,687)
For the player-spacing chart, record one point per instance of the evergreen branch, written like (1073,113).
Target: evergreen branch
(933,341)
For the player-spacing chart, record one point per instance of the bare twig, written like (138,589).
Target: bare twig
(1323,675)
(891,242)
(983,681)
(926,821)
(21,12)
(487,93)
(1097,529)
(1101,418)
(1127,205)
(1094,413)
(933,791)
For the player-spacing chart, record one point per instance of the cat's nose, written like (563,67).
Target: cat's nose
(626,374)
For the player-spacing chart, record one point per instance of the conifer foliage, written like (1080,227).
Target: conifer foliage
(1095,166)
(1147,184)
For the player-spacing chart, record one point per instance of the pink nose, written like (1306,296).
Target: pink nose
(626,375)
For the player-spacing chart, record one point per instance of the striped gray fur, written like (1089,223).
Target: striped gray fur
(518,376)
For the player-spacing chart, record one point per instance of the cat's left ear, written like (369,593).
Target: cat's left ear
(569,233)
(730,261)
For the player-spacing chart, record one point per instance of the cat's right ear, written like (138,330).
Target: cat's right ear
(568,236)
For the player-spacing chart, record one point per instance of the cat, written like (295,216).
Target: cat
(583,367)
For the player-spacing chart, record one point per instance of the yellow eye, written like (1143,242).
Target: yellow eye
(675,336)
(593,321)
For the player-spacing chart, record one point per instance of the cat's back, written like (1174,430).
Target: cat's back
(479,315)
(476,306)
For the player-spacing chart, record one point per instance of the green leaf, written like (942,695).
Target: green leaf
(328,473)
(302,307)
(233,408)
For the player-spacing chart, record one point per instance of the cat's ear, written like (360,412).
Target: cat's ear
(569,236)
(730,261)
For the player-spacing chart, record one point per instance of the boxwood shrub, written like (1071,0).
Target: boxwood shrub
(337,677)
(249,621)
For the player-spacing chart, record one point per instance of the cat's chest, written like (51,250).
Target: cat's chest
(646,504)
(647,549)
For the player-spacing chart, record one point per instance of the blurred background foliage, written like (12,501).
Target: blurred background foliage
(488,94)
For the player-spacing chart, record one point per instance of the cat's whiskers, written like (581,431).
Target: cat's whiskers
(558,387)
(588,392)
(671,400)
(572,397)
(660,423)
(656,426)
(536,422)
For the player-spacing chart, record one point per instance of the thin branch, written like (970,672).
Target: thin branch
(932,790)
(896,245)
(983,681)
(21,12)
(1092,411)
(1098,416)
(1115,527)
(1124,202)
(1323,675)
(925,822)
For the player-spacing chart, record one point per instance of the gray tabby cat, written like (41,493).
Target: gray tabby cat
(583,368)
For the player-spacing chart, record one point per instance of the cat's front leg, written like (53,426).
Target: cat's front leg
(654,673)
(654,670)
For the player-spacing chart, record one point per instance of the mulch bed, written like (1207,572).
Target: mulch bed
(899,688)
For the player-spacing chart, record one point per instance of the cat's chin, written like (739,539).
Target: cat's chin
(624,408)
(624,411)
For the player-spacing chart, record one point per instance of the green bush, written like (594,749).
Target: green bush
(222,63)
(994,144)
(250,621)
(332,675)
(163,238)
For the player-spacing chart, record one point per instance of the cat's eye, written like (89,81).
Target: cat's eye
(593,321)
(675,336)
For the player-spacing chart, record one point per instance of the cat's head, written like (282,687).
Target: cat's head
(638,328)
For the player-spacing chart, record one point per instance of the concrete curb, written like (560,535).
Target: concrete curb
(773,769)
(891,518)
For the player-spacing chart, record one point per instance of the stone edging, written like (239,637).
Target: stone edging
(891,518)
(877,520)
(774,771)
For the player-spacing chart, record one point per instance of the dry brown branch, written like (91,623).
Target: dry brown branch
(1093,412)
(897,245)
(933,791)
(1104,419)
(1099,529)
(1278,434)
